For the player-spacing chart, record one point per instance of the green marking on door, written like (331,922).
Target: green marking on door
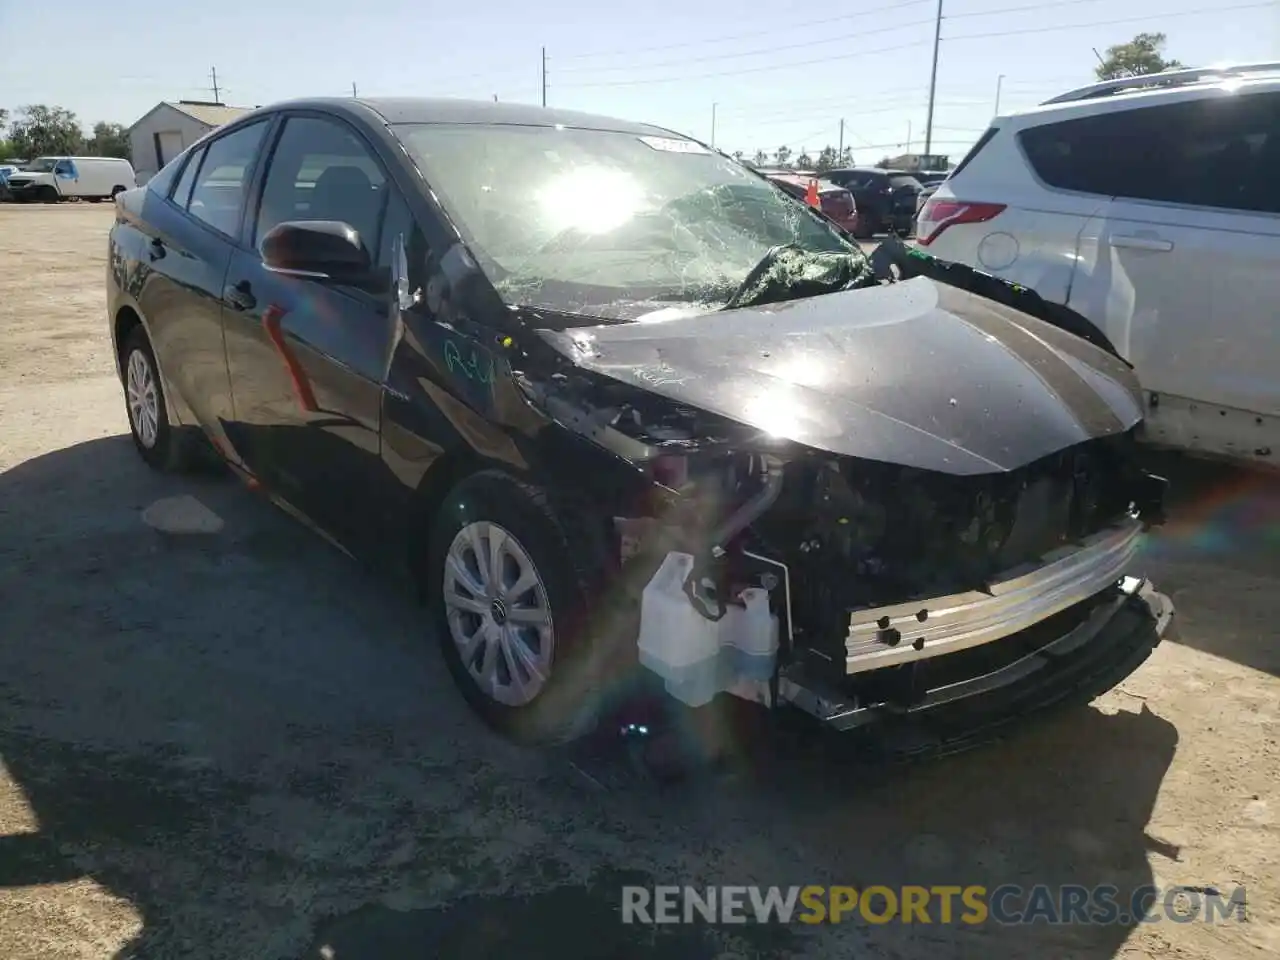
(471,365)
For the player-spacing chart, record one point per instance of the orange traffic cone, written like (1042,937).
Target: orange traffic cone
(811,196)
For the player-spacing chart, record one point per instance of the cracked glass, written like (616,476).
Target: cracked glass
(611,224)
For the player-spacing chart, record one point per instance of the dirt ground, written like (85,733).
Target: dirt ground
(238,745)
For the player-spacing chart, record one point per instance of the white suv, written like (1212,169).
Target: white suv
(1150,206)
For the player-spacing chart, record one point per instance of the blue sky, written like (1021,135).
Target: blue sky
(777,79)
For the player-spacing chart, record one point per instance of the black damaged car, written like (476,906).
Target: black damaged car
(620,405)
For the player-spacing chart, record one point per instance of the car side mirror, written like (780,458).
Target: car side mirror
(317,250)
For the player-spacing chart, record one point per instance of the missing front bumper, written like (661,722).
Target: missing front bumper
(1121,629)
(890,636)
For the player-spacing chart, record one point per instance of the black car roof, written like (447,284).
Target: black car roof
(396,110)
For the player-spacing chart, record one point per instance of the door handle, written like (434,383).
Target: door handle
(1153,244)
(239,296)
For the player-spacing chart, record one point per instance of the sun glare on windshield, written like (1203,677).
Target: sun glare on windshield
(591,199)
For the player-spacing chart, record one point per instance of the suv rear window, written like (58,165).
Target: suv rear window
(1219,152)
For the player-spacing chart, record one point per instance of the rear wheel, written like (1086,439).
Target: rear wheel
(519,605)
(162,447)
(117,189)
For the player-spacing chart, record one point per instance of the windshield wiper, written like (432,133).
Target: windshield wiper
(788,272)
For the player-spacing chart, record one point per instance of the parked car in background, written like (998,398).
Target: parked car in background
(619,405)
(886,199)
(834,201)
(927,178)
(1150,207)
(50,179)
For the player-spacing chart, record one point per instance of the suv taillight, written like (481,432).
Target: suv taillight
(940,213)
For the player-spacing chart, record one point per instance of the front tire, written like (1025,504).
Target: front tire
(47,195)
(158,443)
(520,607)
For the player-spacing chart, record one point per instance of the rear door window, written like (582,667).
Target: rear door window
(162,182)
(1217,152)
(182,193)
(222,182)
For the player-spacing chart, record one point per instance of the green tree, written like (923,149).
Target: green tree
(782,155)
(1142,55)
(846,157)
(737,155)
(826,159)
(761,158)
(40,130)
(804,161)
(109,140)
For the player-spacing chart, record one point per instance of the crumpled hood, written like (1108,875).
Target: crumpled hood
(914,373)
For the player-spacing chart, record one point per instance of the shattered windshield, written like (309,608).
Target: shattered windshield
(608,223)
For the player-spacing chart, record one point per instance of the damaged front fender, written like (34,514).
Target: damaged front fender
(893,260)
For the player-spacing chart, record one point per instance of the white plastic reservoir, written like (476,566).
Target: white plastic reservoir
(696,657)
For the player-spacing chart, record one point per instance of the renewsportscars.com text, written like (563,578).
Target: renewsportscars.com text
(969,905)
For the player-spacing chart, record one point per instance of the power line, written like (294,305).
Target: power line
(814,61)
(878,96)
(1043,5)
(805,113)
(1020,9)
(773,31)
(901,143)
(1109,23)
(861,146)
(843,38)
(761,69)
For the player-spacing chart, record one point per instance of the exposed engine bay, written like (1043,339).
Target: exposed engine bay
(828,535)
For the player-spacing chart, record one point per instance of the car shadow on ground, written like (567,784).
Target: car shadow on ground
(249,740)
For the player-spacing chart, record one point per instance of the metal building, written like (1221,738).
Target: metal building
(170,127)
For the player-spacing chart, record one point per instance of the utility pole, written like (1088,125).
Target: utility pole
(544,76)
(933,82)
(840,149)
(353,90)
(908,150)
(713,123)
(999,82)
(213,72)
